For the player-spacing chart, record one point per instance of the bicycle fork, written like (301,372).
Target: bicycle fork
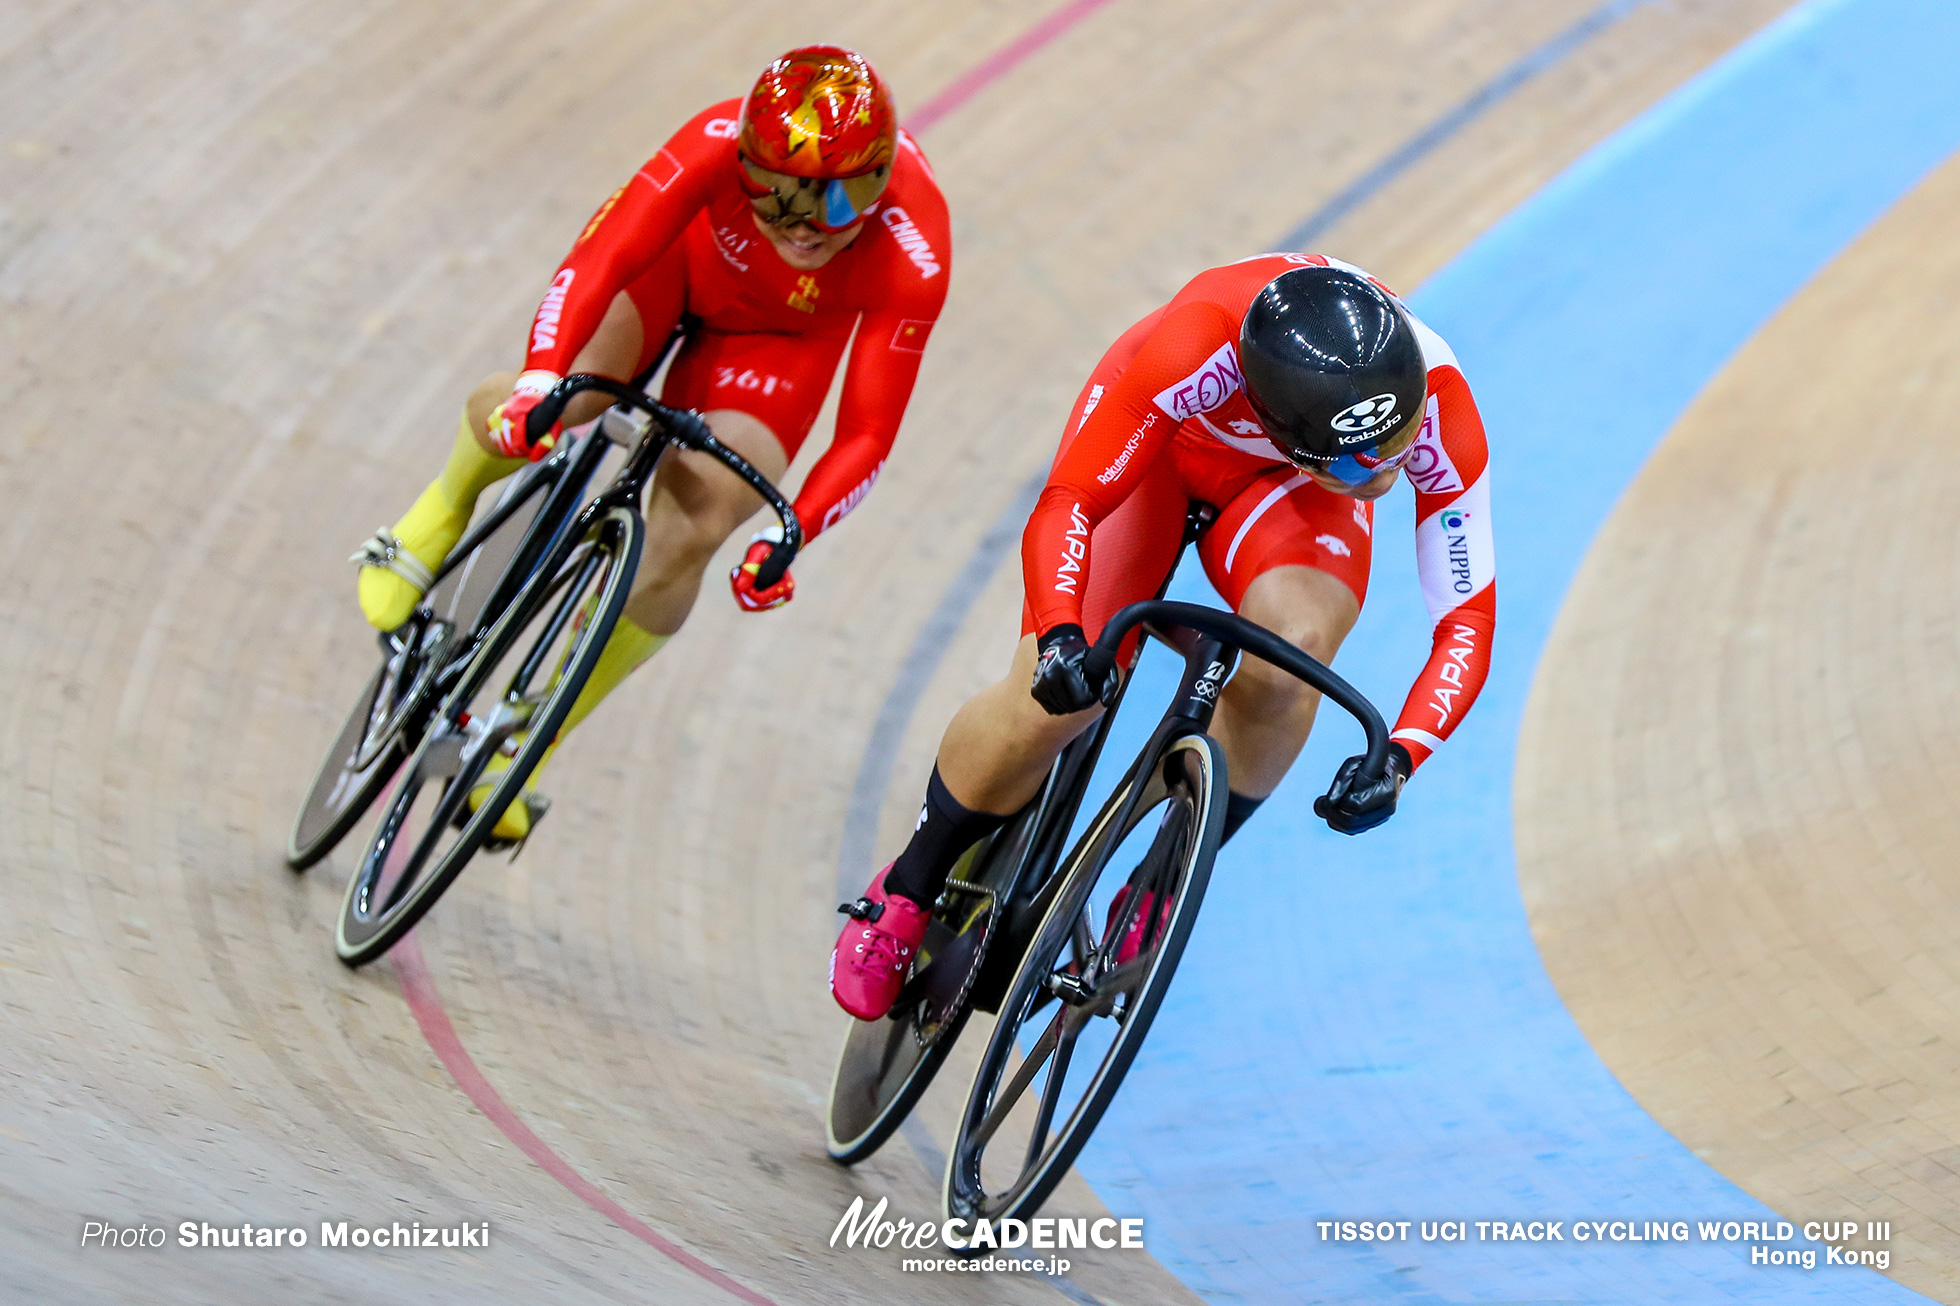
(1208,664)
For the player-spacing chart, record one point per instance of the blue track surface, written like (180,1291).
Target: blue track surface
(1363,1028)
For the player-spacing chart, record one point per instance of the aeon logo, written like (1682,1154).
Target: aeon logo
(1429,467)
(1205,389)
(1366,415)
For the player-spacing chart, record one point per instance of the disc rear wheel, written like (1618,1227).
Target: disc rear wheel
(886,1065)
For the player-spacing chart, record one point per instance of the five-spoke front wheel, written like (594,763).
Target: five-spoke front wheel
(1089,985)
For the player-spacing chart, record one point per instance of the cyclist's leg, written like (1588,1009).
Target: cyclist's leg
(636,326)
(760,395)
(695,503)
(995,753)
(1001,743)
(1293,558)
(439,516)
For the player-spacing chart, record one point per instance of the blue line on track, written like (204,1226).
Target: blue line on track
(1363,1028)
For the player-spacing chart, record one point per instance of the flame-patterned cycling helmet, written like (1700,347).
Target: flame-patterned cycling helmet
(817,138)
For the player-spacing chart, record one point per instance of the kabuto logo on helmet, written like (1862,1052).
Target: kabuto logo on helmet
(1364,416)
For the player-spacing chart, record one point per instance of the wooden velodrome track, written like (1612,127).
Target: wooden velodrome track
(253,254)
(1759,783)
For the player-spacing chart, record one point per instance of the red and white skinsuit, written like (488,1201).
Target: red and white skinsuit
(1163,422)
(679,238)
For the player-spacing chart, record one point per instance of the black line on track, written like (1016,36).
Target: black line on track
(1424,143)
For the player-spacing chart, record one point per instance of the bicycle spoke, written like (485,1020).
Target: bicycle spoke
(454,792)
(580,571)
(1082,941)
(1119,983)
(1051,1092)
(1005,1101)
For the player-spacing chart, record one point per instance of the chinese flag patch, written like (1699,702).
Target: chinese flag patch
(911,336)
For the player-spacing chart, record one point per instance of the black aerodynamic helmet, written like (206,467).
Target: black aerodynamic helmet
(1332,366)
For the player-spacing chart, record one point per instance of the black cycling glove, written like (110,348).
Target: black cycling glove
(1061,681)
(1350,807)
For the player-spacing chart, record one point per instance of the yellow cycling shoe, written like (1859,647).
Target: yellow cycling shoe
(394,578)
(520,818)
(398,565)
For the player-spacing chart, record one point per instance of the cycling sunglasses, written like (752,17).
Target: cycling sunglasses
(1353,469)
(828,204)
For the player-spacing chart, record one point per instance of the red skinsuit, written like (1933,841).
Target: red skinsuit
(679,238)
(1163,422)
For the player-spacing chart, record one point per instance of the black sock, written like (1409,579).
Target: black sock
(1238,810)
(945,831)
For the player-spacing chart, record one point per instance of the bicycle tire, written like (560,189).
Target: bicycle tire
(1191,830)
(376,910)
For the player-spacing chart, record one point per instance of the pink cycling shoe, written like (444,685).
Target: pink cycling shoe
(873,954)
(1133,937)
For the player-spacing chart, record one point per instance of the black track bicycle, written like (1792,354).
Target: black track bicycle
(491,661)
(1017,932)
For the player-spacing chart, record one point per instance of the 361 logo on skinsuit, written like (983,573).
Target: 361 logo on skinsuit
(1217,380)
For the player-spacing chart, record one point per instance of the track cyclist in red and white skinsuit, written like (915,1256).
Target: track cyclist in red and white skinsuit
(774,226)
(1289,392)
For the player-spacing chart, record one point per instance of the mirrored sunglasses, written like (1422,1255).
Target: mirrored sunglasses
(828,204)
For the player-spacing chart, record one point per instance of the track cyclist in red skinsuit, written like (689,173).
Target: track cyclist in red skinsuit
(1288,391)
(776,224)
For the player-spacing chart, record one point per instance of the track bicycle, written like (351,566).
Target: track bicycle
(1015,934)
(492,660)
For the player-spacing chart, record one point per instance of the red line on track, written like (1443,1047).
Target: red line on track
(423,1000)
(412,970)
(1004,61)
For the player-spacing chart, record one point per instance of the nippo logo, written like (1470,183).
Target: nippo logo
(1452,520)
(1366,415)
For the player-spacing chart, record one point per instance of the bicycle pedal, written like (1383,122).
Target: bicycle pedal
(536,805)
